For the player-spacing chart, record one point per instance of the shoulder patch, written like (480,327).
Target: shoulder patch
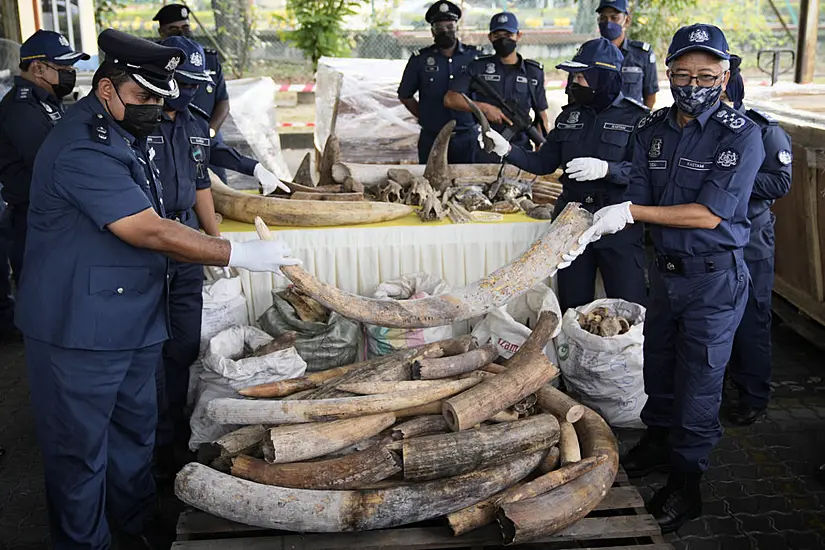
(760,116)
(637,103)
(644,46)
(100,130)
(731,119)
(727,158)
(652,117)
(534,63)
(24,93)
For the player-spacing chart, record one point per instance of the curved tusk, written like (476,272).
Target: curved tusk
(437,171)
(483,122)
(539,262)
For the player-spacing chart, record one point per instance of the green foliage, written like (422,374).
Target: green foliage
(318,24)
(745,26)
(106,11)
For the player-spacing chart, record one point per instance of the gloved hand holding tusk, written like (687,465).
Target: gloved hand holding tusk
(586,169)
(269,182)
(500,145)
(261,255)
(608,220)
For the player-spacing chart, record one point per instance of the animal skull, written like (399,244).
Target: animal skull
(419,192)
(431,210)
(391,192)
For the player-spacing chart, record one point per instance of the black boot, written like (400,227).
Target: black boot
(677,502)
(651,454)
(745,415)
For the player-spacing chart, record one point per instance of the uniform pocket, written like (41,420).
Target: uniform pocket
(119,280)
(718,356)
(618,138)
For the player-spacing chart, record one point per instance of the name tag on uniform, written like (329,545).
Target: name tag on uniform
(491,77)
(154,140)
(620,127)
(566,126)
(694,165)
(657,164)
(199,141)
(522,79)
(431,69)
(632,69)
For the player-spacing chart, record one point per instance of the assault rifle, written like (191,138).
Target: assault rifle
(521,120)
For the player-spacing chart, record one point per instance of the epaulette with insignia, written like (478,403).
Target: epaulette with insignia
(652,117)
(731,119)
(534,63)
(639,44)
(637,103)
(24,93)
(100,130)
(487,56)
(210,51)
(760,116)
(200,112)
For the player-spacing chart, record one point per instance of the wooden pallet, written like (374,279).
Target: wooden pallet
(619,522)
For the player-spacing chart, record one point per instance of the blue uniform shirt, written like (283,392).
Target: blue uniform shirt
(209,94)
(712,161)
(522,83)
(27,115)
(429,72)
(84,287)
(639,76)
(772,182)
(582,132)
(182,153)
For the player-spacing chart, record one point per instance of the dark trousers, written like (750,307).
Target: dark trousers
(6,300)
(180,351)
(95,415)
(750,362)
(14,222)
(622,269)
(462,149)
(689,328)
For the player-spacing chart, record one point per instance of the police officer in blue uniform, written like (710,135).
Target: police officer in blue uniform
(211,99)
(27,114)
(591,140)
(92,306)
(694,165)
(513,77)
(182,152)
(750,362)
(639,78)
(430,72)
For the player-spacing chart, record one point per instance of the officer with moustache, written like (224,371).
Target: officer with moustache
(515,79)
(430,71)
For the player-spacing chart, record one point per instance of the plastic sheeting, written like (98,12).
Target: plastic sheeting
(252,125)
(9,61)
(372,124)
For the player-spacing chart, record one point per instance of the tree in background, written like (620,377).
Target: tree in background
(319,29)
(745,26)
(586,17)
(235,31)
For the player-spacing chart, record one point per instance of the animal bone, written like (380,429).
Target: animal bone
(419,191)
(392,192)
(506,207)
(403,176)
(437,171)
(330,156)
(431,210)
(303,176)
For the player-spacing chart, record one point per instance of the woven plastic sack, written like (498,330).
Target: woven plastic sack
(606,373)
(322,345)
(224,306)
(383,340)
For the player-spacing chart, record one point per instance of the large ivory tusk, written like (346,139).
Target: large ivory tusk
(304,510)
(447,455)
(553,511)
(569,444)
(423,425)
(443,367)
(347,472)
(244,440)
(374,388)
(305,441)
(372,175)
(493,291)
(245,208)
(552,400)
(224,410)
(528,370)
(330,197)
(437,171)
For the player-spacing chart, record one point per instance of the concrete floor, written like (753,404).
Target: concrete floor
(759,492)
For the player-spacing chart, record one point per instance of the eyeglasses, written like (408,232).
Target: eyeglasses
(703,80)
(68,69)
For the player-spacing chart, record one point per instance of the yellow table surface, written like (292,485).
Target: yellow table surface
(411,220)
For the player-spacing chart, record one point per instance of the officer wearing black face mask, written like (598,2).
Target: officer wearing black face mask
(430,72)
(513,77)
(93,306)
(27,114)
(639,78)
(591,140)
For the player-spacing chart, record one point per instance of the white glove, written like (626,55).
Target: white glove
(269,181)
(586,169)
(260,255)
(500,145)
(608,220)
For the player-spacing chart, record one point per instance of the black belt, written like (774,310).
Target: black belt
(693,265)
(181,216)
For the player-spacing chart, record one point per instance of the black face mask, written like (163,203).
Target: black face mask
(444,39)
(138,120)
(582,95)
(65,83)
(504,46)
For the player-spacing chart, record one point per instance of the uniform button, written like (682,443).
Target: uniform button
(450,60)
(451,77)
(99,115)
(120,290)
(670,266)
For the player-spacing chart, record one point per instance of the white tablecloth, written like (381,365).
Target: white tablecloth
(357,259)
